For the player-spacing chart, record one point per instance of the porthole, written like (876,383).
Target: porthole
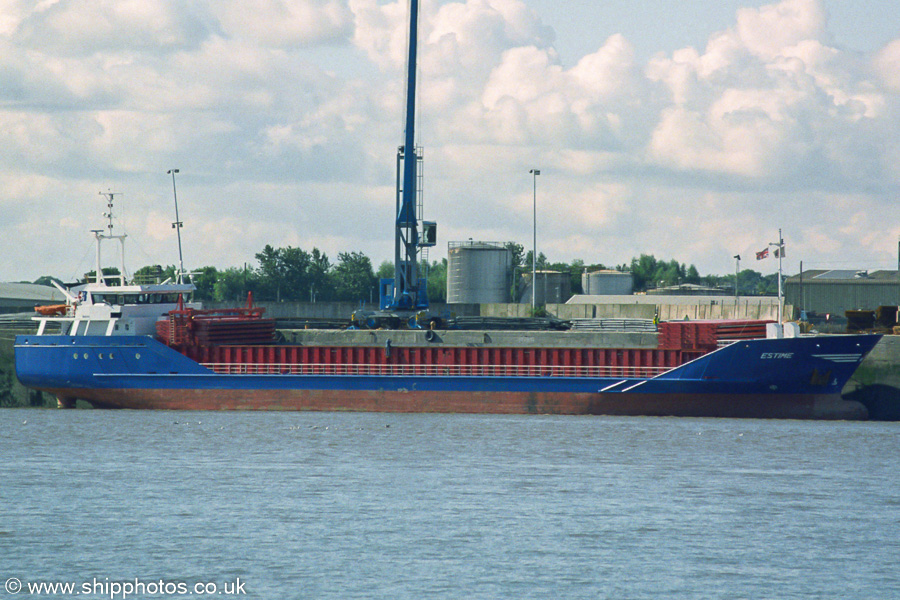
(75,356)
(137,355)
(85,356)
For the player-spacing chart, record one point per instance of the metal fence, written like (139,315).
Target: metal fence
(436,370)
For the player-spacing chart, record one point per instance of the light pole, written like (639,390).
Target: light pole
(737,269)
(177,227)
(534,173)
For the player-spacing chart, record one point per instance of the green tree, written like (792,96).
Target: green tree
(204,279)
(576,270)
(693,275)
(750,283)
(293,274)
(320,281)
(649,273)
(107,272)
(385,270)
(270,273)
(354,280)
(233,284)
(437,281)
(281,272)
(541,265)
(47,280)
(517,254)
(643,271)
(517,267)
(150,274)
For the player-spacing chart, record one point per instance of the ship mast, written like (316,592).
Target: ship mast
(98,235)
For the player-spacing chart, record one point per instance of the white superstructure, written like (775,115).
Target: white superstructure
(110,305)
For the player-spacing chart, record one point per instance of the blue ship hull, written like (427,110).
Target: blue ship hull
(787,378)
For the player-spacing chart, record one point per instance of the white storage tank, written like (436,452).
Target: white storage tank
(478,272)
(607,283)
(553,287)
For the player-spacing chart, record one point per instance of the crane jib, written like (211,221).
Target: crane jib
(406,292)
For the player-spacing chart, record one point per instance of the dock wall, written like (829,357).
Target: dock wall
(876,382)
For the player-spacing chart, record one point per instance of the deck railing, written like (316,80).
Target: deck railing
(436,370)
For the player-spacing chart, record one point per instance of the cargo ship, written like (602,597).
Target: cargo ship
(116,344)
(142,347)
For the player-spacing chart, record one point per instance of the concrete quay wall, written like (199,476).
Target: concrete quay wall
(876,382)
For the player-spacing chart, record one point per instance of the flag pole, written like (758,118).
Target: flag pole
(780,297)
(779,250)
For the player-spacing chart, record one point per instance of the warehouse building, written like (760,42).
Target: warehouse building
(23,297)
(835,291)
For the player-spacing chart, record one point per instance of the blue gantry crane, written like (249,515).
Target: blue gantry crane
(407,293)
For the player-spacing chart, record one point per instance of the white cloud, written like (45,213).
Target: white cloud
(607,72)
(284,118)
(285,23)
(474,34)
(381,30)
(530,96)
(887,65)
(769,100)
(83,27)
(767,31)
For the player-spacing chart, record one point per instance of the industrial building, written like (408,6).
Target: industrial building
(481,273)
(835,291)
(23,297)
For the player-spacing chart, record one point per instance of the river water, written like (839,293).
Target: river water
(130,504)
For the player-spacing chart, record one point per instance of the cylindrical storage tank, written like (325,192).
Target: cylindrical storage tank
(553,287)
(607,283)
(478,272)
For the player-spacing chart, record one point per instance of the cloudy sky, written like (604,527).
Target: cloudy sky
(690,131)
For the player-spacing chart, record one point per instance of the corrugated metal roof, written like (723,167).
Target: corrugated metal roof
(839,274)
(30,292)
(842,290)
(862,276)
